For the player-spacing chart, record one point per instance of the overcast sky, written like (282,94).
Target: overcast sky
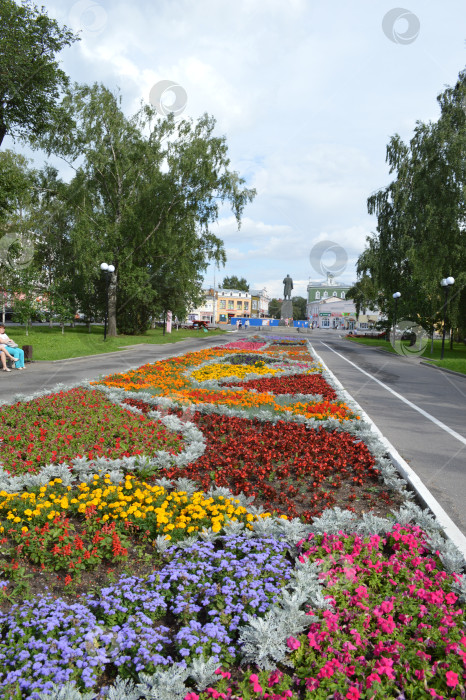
(307,94)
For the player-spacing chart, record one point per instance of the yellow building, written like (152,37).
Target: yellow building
(232,303)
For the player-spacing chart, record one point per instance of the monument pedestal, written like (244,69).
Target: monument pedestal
(286,312)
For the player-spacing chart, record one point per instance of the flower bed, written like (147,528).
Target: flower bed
(286,467)
(291,384)
(70,530)
(60,427)
(393,628)
(125,627)
(182,576)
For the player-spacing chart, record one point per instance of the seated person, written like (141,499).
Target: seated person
(3,361)
(16,354)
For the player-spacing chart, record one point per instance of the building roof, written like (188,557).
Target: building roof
(329,282)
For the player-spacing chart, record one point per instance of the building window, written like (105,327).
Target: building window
(254,304)
(231,304)
(239,304)
(246,305)
(342,295)
(325,295)
(317,295)
(223,303)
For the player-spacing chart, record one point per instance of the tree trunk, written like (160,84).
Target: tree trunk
(2,133)
(164,321)
(112,304)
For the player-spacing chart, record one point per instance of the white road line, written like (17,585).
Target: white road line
(439,423)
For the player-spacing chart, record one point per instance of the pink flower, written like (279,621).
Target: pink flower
(275,677)
(191,696)
(371,679)
(254,679)
(452,679)
(312,683)
(293,643)
(353,694)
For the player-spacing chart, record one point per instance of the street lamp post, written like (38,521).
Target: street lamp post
(446,284)
(396,296)
(108,270)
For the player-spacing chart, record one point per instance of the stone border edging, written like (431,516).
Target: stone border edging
(452,531)
(443,369)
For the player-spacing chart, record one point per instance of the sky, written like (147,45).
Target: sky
(306,92)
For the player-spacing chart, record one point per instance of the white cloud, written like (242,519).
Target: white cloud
(307,95)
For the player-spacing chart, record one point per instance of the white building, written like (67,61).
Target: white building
(206,310)
(328,307)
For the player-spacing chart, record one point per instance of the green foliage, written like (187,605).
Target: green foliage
(420,220)
(234,282)
(364,293)
(31,84)
(299,308)
(275,308)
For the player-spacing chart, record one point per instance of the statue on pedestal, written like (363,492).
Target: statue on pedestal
(288,282)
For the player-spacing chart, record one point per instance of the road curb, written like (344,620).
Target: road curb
(451,531)
(443,369)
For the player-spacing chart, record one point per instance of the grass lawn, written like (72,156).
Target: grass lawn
(373,342)
(51,344)
(453,359)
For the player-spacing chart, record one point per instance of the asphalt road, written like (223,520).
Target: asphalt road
(436,451)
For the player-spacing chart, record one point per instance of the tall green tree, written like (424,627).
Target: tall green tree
(275,307)
(18,208)
(145,193)
(299,308)
(234,282)
(30,77)
(421,215)
(364,293)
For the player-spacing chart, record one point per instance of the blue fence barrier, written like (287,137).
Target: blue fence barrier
(267,322)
